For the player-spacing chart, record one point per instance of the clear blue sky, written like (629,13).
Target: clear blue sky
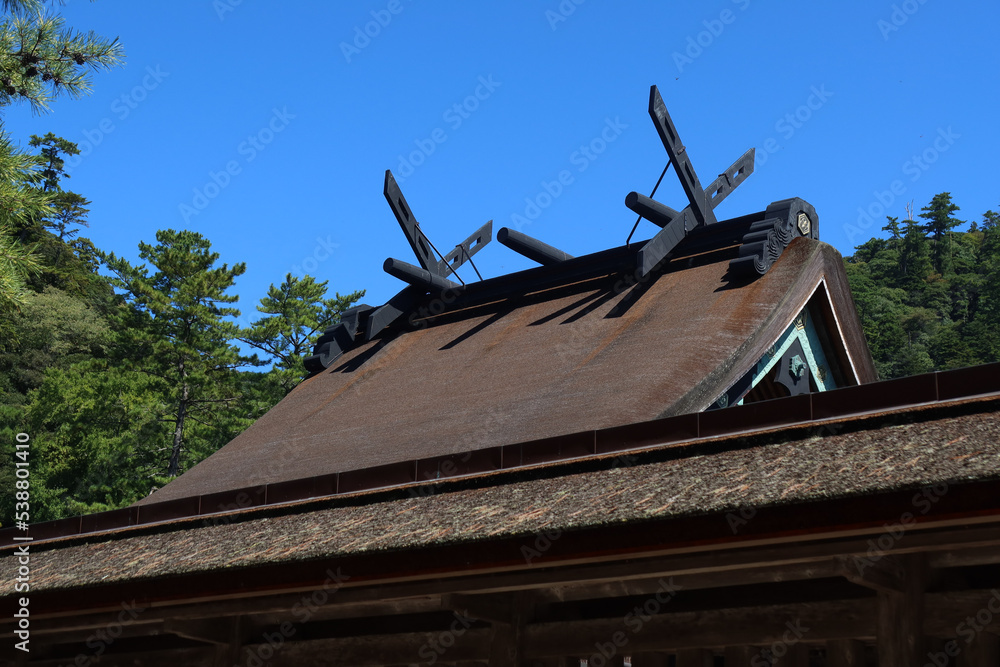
(844,102)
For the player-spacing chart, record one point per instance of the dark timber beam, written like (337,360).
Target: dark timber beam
(507,642)
(531,248)
(169,658)
(379,650)
(700,206)
(699,212)
(417,276)
(884,575)
(208,631)
(713,629)
(408,223)
(80,636)
(959,557)
(493,608)
(717,579)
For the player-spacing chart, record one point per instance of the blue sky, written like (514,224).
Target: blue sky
(268,127)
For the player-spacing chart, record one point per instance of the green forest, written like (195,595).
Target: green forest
(927,293)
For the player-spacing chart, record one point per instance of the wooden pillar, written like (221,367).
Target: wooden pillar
(650,660)
(982,651)
(507,645)
(694,657)
(236,635)
(740,656)
(900,622)
(845,653)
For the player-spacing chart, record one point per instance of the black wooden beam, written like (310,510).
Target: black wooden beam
(700,206)
(702,201)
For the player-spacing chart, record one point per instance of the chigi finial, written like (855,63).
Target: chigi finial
(756,240)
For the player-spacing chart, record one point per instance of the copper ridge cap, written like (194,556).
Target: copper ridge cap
(937,389)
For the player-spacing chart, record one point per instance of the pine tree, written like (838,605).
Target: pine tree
(297,311)
(179,331)
(41,59)
(20,203)
(69,206)
(914,258)
(940,222)
(892,226)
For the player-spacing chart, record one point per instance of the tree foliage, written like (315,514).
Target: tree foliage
(42,59)
(21,202)
(928,295)
(297,311)
(178,331)
(123,389)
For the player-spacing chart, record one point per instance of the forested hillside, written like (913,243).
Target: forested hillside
(928,293)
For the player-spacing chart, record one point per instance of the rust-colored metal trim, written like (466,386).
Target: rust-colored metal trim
(812,409)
